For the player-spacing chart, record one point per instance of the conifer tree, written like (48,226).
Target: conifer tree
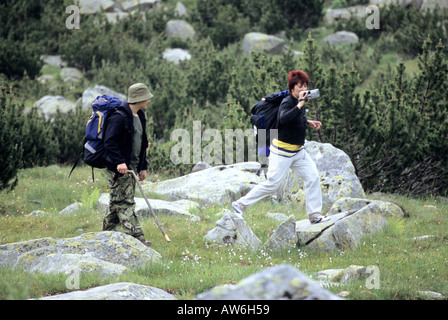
(11,149)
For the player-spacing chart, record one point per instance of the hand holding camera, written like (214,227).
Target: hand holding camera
(309,95)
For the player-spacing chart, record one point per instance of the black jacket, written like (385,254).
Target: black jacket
(118,138)
(292,122)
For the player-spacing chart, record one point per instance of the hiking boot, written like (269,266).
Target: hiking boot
(146,242)
(238,212)
(317,218)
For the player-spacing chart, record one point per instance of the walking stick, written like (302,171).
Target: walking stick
(150,208)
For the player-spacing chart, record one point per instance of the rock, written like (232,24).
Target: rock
(350,274)
(255,41)
(95,6)
(276,216)
(200,166)
(111,247)
(116,291)
(354,273)
(282,282)
(433,4)
(426,294)
(67,263)
(71,208)
(347,233)
(71,75)
(232,231)
(49,105)
(131,5)
(341,37)
(350,220)
(176,55)
(387,209)
(180,10)
(172,208)
(53,60)
(307,232)
(284,237)
(425,237)
(337,174)
(220,184)
(180,29)
(90,94)
(36,213)
(330,275)
(46,79)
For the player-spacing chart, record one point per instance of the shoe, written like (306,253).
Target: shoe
(238,212)
(146,242)
(318,218)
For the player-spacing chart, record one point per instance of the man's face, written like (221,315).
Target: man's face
(144,104)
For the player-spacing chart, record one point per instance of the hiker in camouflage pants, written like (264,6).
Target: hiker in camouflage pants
(125,144)
(122,206)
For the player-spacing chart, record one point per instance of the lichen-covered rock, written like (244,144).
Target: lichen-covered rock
(49,105)
(116,291)
(337,175)
(256,41)
(181,29)
(306,232)
(387,209)
(220,184)
(347,233)
(282,282)
(350,220)
(90,94)
(112,247)
(232,231)
(284,237)
(67,263)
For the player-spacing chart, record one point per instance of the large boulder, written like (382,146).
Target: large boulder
(181,29)
(90,94)
(282,282)
(256,41)
(341,37)
(103,252)
(116,291)
(220,184)
(48,106)
(350,221)
(71,75)
(337,174)
(176,55)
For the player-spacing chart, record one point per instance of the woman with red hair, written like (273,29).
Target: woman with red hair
(288,152)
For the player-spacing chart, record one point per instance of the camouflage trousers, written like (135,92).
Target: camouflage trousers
(121,211)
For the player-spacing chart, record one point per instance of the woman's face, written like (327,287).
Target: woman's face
(299,87)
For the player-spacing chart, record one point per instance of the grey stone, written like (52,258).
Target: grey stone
(282,282)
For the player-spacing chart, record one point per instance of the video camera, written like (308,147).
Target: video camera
(312,94)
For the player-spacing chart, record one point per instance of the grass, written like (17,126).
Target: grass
(189,266)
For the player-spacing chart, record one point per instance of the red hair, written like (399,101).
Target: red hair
(295,77)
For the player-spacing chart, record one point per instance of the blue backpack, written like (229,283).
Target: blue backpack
(93,150)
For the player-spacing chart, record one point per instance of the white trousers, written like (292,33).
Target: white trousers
(303,166)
